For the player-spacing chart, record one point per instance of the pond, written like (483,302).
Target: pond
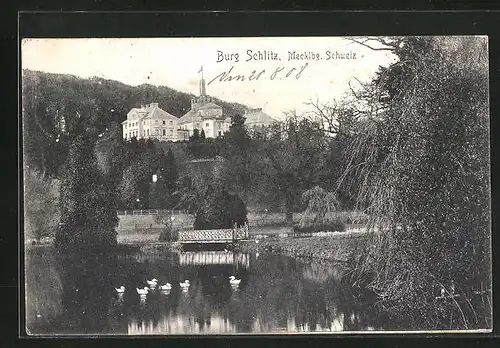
(276,294)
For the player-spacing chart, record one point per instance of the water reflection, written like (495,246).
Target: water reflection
(275,294)
(214,258)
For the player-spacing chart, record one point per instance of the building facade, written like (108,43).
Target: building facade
(256,119)
(150,122)
(204,115)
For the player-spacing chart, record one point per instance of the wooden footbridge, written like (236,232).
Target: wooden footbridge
(219,236)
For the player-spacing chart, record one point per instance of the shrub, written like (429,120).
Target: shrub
(220,209)
(169,234)
(331,226)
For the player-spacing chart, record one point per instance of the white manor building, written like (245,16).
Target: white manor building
(204,115)
(151,122)
(256,119)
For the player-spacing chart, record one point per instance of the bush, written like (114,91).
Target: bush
(331,226)
(220,209)
(169,234)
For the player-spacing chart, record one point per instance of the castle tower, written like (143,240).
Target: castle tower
(202,97)
(203,91)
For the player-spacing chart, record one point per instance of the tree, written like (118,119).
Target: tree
(195,145)
(320,203)
(169,171)
(217,208)
(239,157)
(119,156)
(196,135)
(202,135)
(88,210)
(292,158)
(41,211)
(422,161)
(162,191)
(169,232)
(134,188)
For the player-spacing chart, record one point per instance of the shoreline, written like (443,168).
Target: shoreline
(337,249)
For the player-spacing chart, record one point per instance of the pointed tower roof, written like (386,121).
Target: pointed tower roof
(203,89)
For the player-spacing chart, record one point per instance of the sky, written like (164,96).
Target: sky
(176,62)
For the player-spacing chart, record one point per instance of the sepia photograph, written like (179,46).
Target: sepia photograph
(256,185)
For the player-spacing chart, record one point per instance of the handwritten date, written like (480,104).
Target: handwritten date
(279,73)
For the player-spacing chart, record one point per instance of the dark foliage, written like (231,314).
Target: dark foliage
(169,233)
(58,108)
(422,166)
(333,226)
(88,210)
(219,209)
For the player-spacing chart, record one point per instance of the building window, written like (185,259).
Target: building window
(207,125)
(164,132)
(171,122)
(163,122)
(156,121)
(148,131)
(171,132)
(220,133)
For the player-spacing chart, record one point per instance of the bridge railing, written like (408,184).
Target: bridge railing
(214,235)
(205,235)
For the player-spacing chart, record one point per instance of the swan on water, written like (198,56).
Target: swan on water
(234,281)
(143,291)
(166,286)
(185,284)
(120,290)
(152,282)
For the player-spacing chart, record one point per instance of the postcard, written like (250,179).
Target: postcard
(256,185)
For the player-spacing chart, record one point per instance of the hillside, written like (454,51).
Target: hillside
(93,104)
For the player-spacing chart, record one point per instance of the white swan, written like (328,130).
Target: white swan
(185,284)
(167,286)
(143,291)
(120,290)
(234,281)
(152,283)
